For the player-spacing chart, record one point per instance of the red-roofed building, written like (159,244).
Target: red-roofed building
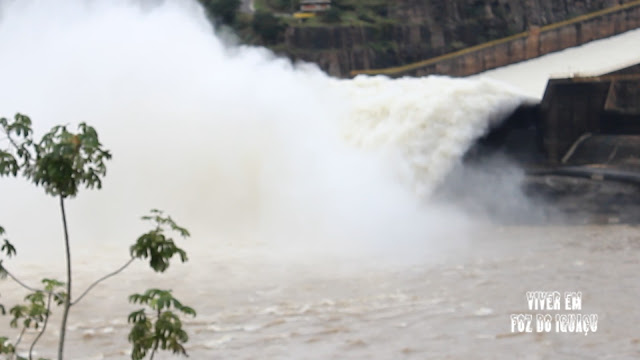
(315,5)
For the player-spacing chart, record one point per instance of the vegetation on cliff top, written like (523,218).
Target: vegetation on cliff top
(356,34)
(267,25)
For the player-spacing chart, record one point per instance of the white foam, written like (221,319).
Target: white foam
(236,144)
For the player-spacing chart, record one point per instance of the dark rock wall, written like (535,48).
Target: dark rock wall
(421,29)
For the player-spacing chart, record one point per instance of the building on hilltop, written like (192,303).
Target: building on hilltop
(315,5)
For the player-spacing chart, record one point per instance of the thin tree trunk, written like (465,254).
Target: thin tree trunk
(15,347)
(44,327)
(157,341)
(67,300)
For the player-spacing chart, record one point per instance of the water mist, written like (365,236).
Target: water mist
(240,145)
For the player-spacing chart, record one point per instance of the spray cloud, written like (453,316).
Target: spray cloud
(238,144)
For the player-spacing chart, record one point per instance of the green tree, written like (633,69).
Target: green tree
(284,5)
(160,329)
(269,27)
(332,16)
(62,163)
(223,11)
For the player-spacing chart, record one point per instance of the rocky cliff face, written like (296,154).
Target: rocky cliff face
(420,29)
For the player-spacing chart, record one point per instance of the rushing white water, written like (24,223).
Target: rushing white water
(279,172)
(235,142)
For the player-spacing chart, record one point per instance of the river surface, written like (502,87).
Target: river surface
(458,307)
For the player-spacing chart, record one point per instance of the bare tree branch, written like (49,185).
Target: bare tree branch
(15,347)
(20,281)
(24,285)
(95,283)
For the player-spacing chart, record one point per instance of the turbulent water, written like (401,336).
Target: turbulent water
(239,144)
(309,198)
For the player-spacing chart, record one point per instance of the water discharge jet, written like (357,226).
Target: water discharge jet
(242,145)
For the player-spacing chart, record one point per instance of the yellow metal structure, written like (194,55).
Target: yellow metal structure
(303,15)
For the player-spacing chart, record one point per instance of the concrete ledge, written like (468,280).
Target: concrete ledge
(523,46)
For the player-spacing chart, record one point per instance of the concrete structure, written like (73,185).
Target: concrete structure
(574,107)
(575,114)
(315,5)
(535,42)
(580,148)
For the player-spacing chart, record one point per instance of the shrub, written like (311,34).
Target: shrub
(332,16)
(269,27)
(223,11)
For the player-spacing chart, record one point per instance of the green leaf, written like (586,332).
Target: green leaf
(6,347)
(166,332)
(51,284)
(137,316)
(187,310)
(62,162)
(8,164)
(3,271)
(156,246)
(59,297)
(8,248)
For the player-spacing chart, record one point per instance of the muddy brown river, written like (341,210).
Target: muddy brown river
(251,305)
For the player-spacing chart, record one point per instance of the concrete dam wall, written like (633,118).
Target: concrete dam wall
(537,41)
